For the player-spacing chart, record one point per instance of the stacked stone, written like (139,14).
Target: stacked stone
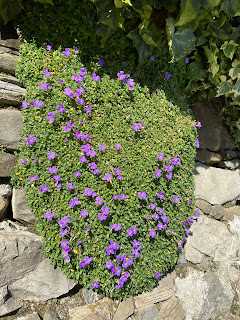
(206,281)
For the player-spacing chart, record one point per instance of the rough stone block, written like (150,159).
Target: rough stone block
(11,125)
(7,163)
(20,209)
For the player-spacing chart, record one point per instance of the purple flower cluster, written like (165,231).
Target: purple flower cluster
(43,188)
(95,77)
(85,262)
(123,77)
(107,177)
(104,214)
(113,247)
(132,231)
(69,126)
(137,126)
(49,215)
(60,108)
(47,73)
(34,178)
(160,195)
(122,280)
(66,52)
(175,199)
(82,136)
(44,86)
(142,195)
(116,227)
(31,140)
(50,116)
(65,246)
(74,202)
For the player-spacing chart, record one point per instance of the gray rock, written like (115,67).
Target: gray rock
(230,154)
(11,93)
(3,207)
(203,205)
(8,63)
(7,78)
(32,316)
(217,242)
(165,290)
(50,315)
(208,157)
(100,310)
(3,295)
(8,50)
(125,309)
(11,125)
(90,296)
(7,163)
(181,262)
(20,253)
(231,164)
(148,313)
(213,135)
(171,310)
(11,43)
(230,212)
(205,299)
(235,226)
(217,212)
(216,185)
(5,190)
(44,283)
(9,306)
(20,209)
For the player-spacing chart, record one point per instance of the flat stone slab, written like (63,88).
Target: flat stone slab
(20,209)
(7,163)
(11,93)
(212,135)
(216,185)
(10,79)
(217,242)
(11,125)
(8,63)
(171,310)
(11,43)
(100,310)
(164,291)
(44,282)
(9,306)
(20,252)
(125,309)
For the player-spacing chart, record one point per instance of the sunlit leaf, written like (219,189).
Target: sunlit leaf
(223,88)
(229,48)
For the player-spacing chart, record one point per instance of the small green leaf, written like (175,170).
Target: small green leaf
(224,88)
(236,88)
(229,48)
(235,72)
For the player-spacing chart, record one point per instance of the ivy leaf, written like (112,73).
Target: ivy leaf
(183,42)
(104,32)
(188,12)
(9,9)
(110,15)
(211,54)
(144,50)
(236,88)
(229,48)
(235,72)
(231,7)
(122,3)
(224,88)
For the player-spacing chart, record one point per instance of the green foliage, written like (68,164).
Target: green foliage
(114,109)
(9,9)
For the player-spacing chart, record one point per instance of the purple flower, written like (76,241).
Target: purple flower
(115,197)
(160,210)
(47,73)
(160,156)
(169,176)
(77,174)
(50,116)
(164,218)
(87,192)
(59,186)
(49,215)
(152,58)
(61,81)
(23,161)
(107,177)
(25,104)
(101,62)
(153,206)
(73,202)
(161,226)
(117,171)
(98,201)
(119,177)
(60,108)
(66,52)
(64,244)
(187,60)
(142,195)
(157,275)
(43,188)
(158,173)
(51,155)
(80,100)
(70,186)
(136,126)
(152,233)
(196,214)
(167,75)
(95,77)
(82,159)
(122,196)
(75,50)
(155,216)
(87,229)
(94,284)
(118,146)
(198,124)
(34,160)
(88,109)
(102,148)
(175,199)
(80,91)
(56,178)
(84,213)
(109,265)
(52,170)
(197,143)
(79,241)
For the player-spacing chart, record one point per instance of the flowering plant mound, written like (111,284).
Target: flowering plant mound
(108,171)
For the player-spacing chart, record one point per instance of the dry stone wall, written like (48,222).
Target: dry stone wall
(206,281)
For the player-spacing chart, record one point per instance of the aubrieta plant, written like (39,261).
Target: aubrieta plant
(108,171)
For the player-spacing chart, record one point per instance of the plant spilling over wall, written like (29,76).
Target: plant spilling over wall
(108,171)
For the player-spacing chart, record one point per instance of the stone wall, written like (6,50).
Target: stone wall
(206,281)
